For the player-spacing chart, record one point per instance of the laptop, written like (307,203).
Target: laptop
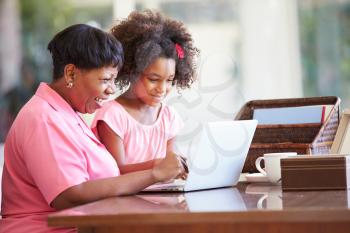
(215,157)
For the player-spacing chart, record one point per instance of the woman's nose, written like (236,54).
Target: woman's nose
(111,89)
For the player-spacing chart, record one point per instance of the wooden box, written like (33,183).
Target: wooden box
(315,172)
(310,138)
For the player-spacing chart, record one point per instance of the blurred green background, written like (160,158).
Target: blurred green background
(322,28)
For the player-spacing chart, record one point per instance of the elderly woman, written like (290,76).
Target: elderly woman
(52,158)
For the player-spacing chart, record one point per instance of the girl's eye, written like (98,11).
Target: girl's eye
(106,80)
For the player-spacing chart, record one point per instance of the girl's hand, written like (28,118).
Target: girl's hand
(168,168)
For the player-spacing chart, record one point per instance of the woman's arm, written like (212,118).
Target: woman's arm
(167,169)
(115,146)
(170,145)
(170,149)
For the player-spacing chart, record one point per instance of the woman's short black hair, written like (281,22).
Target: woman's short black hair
(86,47)
(148,35)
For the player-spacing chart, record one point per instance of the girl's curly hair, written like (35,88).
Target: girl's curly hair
(148,35)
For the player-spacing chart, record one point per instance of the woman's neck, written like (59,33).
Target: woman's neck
(62,90)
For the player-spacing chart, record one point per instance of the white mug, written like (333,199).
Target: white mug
(271,200)
(272,165)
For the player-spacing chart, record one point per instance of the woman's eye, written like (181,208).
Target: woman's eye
(106,80)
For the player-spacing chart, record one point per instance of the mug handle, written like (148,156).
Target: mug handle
(260,205)
(258,166)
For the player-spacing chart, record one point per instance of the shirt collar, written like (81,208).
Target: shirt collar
(54,99)
(59,104)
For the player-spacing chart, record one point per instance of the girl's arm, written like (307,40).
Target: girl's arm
(167,169)
(115,146)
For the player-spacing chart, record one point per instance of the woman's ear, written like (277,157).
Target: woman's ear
(69,74)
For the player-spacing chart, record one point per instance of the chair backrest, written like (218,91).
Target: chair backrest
(1,157)
(1,166)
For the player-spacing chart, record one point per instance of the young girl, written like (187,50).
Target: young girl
(138,128)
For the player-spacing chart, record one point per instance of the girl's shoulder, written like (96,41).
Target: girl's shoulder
(112,113)
(112,109)
(111,106)
(168,111)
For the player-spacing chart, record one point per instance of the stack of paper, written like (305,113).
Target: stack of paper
(293,115)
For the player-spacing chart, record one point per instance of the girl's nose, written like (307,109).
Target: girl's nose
(162,87)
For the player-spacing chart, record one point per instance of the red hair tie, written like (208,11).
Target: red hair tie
(180,51)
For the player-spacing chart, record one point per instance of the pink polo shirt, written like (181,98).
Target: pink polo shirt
(48,149)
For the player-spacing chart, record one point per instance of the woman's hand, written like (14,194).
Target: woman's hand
(156,162)
(169,168)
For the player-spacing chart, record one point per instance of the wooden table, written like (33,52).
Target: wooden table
(247,208)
